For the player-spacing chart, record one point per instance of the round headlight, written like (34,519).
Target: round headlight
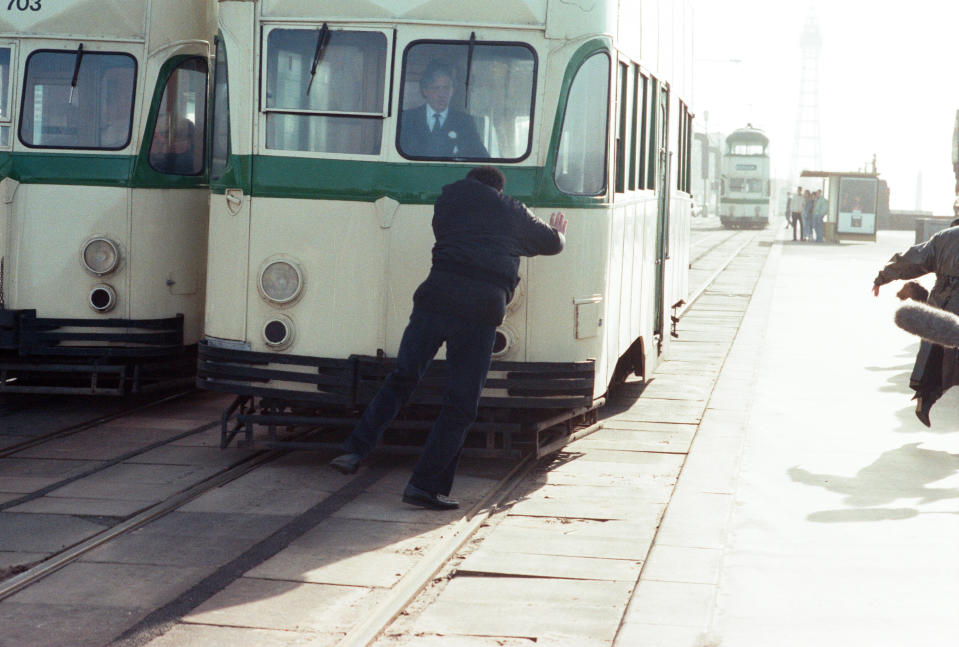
(100,256)
(281,281)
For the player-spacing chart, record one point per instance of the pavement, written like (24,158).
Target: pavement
(813,507)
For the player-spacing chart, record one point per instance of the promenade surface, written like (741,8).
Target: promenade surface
(821,511)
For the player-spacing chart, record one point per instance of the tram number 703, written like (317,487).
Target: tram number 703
(23,5)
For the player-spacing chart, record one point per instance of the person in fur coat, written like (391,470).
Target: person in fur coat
(936,368)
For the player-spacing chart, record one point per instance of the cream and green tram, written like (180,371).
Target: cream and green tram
(325,169)
(744,200)
(103,218)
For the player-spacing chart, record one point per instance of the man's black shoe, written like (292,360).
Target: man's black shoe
(923,405)
(347,463)
(415,496)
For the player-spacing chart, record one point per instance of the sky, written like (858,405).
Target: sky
(887,86)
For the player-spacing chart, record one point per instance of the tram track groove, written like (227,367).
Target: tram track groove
(11,450)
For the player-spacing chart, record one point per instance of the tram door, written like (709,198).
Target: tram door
(661,139)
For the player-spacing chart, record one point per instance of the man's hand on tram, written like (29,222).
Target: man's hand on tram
(557,220)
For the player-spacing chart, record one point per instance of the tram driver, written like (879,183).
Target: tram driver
(435,129)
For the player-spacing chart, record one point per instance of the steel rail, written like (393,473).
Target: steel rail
(411,584)
(82,426)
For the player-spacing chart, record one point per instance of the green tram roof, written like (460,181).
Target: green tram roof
(748,135)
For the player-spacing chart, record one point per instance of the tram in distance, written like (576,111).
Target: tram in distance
(103,219)
(744,202)
(323,178)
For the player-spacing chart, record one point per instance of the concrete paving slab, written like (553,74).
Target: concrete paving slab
(671,603)
(141,482)
(656,635)
(149,547)
(188,455)
(81,447)
(288,606)
(618,438)
(576,538)
(189,635)
(17,558)
(382,507)
(62,625)
(213,526)
(362,535)
(683,564)
(486,561)
(43,532)
(120,586)
(527,607)
(376,569)
(605,510)
(654,410)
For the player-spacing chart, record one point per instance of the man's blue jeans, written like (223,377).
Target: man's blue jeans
(469,347)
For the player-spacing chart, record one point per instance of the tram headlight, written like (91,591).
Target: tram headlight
(281,281)
(100,255)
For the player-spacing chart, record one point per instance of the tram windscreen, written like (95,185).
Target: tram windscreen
(325,90)
(77,99)
(466,101)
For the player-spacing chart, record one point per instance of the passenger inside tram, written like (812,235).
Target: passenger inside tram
(172,150)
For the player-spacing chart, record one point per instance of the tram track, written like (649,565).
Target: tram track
(378,620)
(34,441)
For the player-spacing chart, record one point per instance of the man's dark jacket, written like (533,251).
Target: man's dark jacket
(480,235)
(457,137)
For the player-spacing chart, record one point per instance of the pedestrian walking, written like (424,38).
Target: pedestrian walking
(807,215)
(480,236)
(820,208)
(794,217)
(936,368)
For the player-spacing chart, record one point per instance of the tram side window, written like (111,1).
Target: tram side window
(220,153)
(4,96)
(467,102)
(176,147)
(581,158)
(78,99)
(325,90)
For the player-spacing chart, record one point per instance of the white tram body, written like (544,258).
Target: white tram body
(745,182)
(320,215)
(104,210)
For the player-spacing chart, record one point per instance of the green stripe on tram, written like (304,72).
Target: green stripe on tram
(744,201)
(274,176)
(80,169)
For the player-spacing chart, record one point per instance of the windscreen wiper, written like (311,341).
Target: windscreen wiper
(76,72)
(322,40)
(469,69)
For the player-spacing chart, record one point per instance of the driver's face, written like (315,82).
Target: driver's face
(439,92)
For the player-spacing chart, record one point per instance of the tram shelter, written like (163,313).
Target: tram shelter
(853,203)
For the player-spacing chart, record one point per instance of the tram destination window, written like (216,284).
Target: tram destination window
(467,101)
(4,96)
(581,157)
(176,147)
(78,99)
(325,90)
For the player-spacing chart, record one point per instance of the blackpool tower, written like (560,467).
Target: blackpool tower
(807,148)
